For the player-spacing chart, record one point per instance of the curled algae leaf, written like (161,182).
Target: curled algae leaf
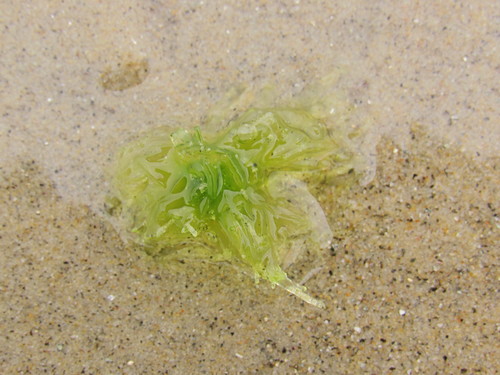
(236,195)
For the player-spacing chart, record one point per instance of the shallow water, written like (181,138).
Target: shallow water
(410,281)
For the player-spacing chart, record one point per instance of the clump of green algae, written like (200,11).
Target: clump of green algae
(235,195)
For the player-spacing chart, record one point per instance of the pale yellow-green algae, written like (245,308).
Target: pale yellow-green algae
(236,195)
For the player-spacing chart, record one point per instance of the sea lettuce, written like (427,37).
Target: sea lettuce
(236,195)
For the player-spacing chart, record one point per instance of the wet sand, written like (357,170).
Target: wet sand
(411,281)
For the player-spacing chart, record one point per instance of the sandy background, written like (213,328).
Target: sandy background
(411,283)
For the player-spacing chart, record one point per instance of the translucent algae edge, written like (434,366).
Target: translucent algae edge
(233,196)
